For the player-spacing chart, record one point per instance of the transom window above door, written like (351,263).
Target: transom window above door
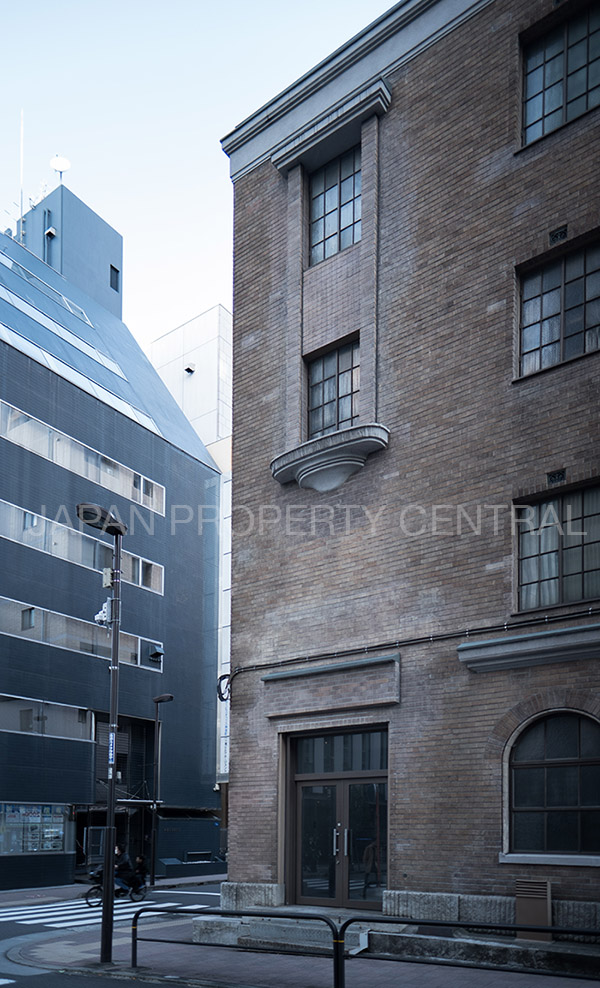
(335,753)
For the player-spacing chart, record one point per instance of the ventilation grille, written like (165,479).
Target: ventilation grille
(533,890)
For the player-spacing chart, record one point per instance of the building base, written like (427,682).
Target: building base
(252,895)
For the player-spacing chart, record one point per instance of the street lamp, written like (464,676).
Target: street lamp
(97,517)
(163,698)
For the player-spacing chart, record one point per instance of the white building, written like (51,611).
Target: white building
(194,361)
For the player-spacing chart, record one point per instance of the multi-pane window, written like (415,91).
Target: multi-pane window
(562,74)
(560,310)
(355,752)
(559,549)
(555,786)
(334,384)
(335,206)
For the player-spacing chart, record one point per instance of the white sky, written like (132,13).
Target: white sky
(137,95)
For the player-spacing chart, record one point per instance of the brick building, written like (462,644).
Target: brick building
(416,629)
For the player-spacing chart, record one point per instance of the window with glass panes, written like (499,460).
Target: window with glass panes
(559,549)
(335,206)
(555,786)
(562,74)
(560,310)
(334,384)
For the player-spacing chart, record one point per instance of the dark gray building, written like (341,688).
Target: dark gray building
(85,417)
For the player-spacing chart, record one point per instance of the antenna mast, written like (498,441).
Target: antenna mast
(21,174)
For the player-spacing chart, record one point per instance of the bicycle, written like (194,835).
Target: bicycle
(94,895)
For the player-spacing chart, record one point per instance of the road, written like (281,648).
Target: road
(20,918)
(24,915)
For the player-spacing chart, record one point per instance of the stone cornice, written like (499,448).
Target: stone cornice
(558,645)
(348,114)
(380,49)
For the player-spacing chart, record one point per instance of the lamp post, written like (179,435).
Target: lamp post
(163,698)
(97,517)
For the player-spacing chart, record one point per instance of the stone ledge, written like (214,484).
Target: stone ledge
(541,648)
(423,906)
(324,464)
(251,895)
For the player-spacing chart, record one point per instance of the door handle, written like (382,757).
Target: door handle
(346,833)
(336,837)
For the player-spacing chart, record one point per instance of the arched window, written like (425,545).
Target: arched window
(555,786)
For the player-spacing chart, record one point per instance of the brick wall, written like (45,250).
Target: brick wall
(457,206)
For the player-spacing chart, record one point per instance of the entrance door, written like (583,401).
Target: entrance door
(342,842)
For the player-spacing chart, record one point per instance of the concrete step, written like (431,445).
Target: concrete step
(401,941)
(557,957)
(310,935)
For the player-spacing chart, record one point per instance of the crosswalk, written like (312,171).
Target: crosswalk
(73,913)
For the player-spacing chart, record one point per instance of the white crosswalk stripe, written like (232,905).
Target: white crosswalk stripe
(76,912)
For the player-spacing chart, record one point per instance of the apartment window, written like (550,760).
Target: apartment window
(334,385)
(37,437)
(555,786)
(114,278)
(335,206)
(27,715)
(27,618)
(560,310)
(62,631)
(562,74)
(559,550)
(45,535)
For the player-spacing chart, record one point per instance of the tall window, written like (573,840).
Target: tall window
(562,74)
(559,549)
(555,786)
(335,206)
(334,384)
(560,310)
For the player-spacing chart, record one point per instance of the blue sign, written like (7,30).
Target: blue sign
(111,748)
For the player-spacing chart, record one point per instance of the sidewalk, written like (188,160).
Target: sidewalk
(78,951)
(219,967)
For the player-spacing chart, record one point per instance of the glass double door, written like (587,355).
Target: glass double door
(342,842)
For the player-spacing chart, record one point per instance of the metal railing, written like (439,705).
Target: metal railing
(338,934)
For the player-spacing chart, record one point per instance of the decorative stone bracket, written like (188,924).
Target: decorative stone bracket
(325,463)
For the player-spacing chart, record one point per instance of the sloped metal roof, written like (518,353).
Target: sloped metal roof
(55,323)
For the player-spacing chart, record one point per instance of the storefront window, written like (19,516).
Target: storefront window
(35,828)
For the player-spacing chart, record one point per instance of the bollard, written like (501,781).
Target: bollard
(339,973)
